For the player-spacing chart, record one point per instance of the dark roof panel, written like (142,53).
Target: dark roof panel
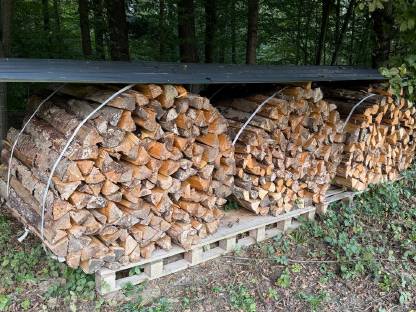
(43,70)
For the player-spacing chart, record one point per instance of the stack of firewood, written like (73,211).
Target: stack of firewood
(379,136)
(152,167)
(289,152)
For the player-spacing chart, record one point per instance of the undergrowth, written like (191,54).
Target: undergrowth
(26,264)
(374,237)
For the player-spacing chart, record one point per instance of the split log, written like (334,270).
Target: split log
(139,174)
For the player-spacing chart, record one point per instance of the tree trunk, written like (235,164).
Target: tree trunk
(301,7)
(83,10)
(46,21)
(233,33)
(307,30)
(162,30)
(326,4)
(99,28)
(5,51)
(253,16)
(383,30)
(186,31)
(118,28)
(337,20)
(340,36)
(57,31)
(210,28)
(45,12)
(350,60)
(57,15)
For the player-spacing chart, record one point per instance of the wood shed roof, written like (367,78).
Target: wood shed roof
(76,71)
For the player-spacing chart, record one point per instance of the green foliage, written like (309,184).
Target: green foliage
(405,15)
(136,303)
(242,299)
(77,284)
(231,205)
(296,268)
(25,305)
(272,294)
(375,237)
(5,233)
(401,71)
(19,266)
(371,5)
(287,32)
(162,305)
(4,302)
(405,297)
(313,300)
(403,78)
(284,279)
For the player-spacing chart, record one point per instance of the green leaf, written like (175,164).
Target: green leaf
(371,7)
(284,279)
(4,302)
(25,305)
(410,24)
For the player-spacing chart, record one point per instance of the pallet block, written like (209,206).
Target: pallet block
(335,194)
(238,229)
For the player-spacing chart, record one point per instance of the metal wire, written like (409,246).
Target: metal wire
(355,107)
(20,133)
(45,192)
(254,114)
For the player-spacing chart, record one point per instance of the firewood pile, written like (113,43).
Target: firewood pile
(156,165)
(151,168)
(380,139)
(289,152)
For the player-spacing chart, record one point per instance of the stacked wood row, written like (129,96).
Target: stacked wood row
(289,152)
(151,168)
(379,136)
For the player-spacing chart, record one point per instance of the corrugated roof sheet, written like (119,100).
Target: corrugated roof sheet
(75,71)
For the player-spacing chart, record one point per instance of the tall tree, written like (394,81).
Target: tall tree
(5,51)
(83,10)
(99,28)
(300,9)
(162,30)
(326,6)
(57,31)
(383,23)
(57,15)
(186,31)
(45,12)
(118,29)
(252,35)
(233,32)
(341,33)
(46,20)
(352,39)
(210,29)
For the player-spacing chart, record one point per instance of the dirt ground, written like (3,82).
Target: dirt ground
(208,286)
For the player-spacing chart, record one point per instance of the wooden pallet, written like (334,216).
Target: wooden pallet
(238,228)
(335,194)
